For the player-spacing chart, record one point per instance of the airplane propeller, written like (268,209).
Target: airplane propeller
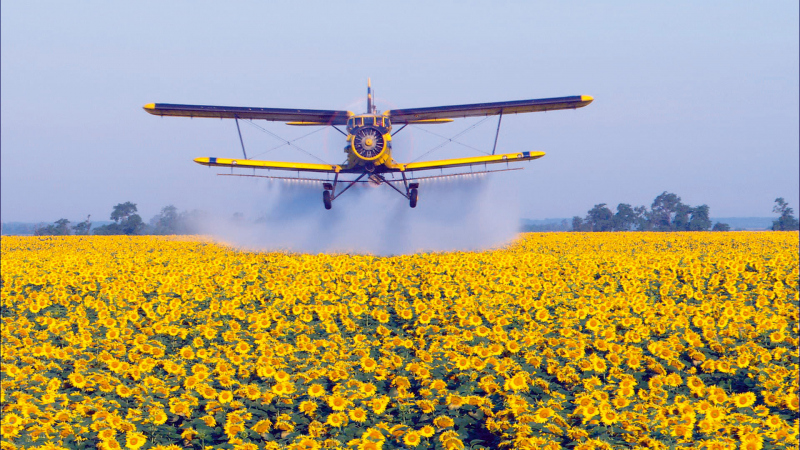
(368,142)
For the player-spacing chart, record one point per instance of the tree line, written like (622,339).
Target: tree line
(127,221)
(667,213)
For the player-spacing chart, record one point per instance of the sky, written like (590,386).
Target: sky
(695,98)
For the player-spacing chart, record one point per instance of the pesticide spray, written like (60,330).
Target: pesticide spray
(453,214)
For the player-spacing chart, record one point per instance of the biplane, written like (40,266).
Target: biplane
(369,141)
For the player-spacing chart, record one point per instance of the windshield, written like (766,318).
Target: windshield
(372,121)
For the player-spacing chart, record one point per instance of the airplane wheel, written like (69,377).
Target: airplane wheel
(326,199)
(413,195)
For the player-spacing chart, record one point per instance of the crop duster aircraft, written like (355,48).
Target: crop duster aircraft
(369,140)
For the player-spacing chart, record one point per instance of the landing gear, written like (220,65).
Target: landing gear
(326,198)
(411,192)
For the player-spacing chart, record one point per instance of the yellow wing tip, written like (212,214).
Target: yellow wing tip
(587,98)
(150,106)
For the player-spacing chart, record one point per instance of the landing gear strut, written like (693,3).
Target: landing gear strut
(411,189)
(329,194)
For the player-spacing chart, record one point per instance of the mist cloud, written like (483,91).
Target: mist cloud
(474,213)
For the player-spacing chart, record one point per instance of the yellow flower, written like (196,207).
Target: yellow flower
(411,439)
(543,415)
(337,403)
(337,419)
(516,383)
(427,431)
(225,396)
(316,390)
(106,434)
(358,415)
(123,391)
(745,400)
(443,422)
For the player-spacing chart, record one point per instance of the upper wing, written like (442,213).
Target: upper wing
(400,116)
(303,116)
(256,164)
(471,161)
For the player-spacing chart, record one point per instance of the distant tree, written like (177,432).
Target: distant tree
(132,225)
(680,221)
(699,220)
(59,228)
(664,210)
(126,221)
(579,225)
(719,226)
(122,211)
(625,218)
(167,221)
(110,229)
(83,228)
(642,221)
(786,221)
(600,218)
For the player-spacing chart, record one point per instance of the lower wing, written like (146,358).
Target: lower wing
(277,165)
(470,161)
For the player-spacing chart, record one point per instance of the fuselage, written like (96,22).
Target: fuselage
(369,142)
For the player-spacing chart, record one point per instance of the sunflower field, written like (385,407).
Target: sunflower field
(559,340)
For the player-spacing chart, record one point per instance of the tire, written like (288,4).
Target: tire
(413,195)
(326,199)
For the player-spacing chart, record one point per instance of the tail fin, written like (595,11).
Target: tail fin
(370,106)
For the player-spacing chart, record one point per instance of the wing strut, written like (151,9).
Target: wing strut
(498,131)
(401,129)
(240,136)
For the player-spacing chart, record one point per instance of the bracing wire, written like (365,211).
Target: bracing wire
(453,140)
(449,140)
(290,143)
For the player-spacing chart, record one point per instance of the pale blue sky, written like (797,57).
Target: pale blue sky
(695,98)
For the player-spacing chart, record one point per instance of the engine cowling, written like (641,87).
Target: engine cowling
(368,143)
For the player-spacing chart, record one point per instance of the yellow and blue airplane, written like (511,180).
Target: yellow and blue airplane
(369,139)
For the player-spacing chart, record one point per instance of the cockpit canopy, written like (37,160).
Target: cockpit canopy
(368,120)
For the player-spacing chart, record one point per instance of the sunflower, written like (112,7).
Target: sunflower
(516,383)
(412,439)
(774,421)
(368,364)
(225,396)
(358,415)
(186,353)
(308,407)
(337,419)
(792,401)
(427,431)
(337,403)
(316,390)
(744,400)
(261,427)
(123,391)
(543,414)
(426,406)
(443,422)
(608,416)
(106,434)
